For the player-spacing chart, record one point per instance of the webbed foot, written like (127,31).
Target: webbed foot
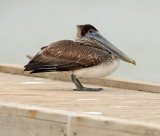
(80,87)
(88,89)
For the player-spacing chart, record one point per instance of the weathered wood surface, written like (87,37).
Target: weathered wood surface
(111,102)
(22,120)
(115,111)
(109,81)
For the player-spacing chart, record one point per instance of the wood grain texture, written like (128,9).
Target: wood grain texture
(109,81)
(13,125)
(15,118)
(39,107)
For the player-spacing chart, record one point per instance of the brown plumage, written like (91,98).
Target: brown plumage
(68,55)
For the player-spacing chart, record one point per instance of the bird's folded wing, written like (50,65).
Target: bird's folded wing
(66,55)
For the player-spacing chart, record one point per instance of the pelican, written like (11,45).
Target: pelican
(89,56)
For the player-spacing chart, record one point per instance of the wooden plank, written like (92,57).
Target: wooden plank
(15,120)
(109,81)
(13,125)
(78,130)
(112,102)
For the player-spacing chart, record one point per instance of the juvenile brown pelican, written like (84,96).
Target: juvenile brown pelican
(89,56)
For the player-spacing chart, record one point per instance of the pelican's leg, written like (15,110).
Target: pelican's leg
(80,87)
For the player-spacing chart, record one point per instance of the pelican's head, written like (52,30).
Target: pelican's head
(82,30)
(89,31)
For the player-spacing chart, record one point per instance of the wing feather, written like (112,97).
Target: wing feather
(66,55)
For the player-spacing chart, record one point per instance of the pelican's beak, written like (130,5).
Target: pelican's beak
(110,47)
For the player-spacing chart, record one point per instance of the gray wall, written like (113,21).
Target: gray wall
(132,25)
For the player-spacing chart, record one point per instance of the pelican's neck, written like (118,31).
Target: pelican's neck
(79,35)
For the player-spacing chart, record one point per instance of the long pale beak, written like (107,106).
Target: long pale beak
(110,47)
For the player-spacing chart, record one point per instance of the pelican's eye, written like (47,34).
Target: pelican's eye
(90,31)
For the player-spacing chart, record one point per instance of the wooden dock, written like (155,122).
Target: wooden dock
(46,105)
